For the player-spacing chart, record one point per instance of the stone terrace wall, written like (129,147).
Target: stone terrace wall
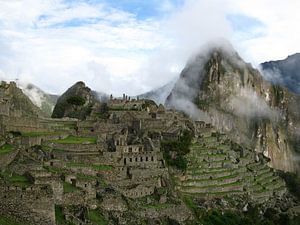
(6,159)
(38,140)
(23,124)
(153,124)
(30,206)
(77,147)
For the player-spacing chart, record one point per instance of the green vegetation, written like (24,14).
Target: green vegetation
(69,188)
(202,104)
(85,177)
(16,180)
(76,100)
(8,221)
(76,140)
(96,217)
(7,148)
(148,103)
(174,151)
(293,182)
(15,133)
(55,170)
(103,111)
(158,206)
(59,216)
(37,134)
(252,217)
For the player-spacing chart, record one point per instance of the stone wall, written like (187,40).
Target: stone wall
(153,124)
(39,140)
(4,107)
(77,147)
(32,206)
(148,173)
(23,124)
(6,159)
(138,192)
(145,159)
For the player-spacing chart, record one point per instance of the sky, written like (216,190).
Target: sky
(133,46)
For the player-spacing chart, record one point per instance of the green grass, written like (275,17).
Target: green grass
(218,178)
(96,218)
(76,140)
(69,188)
(85,177)
(59,216)
(16,180)
(37,134)
(7,148)
(55,169)
(159,206)
(8,221)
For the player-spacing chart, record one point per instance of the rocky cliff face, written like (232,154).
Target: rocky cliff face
(217,85)
(284,72)
(41,99)
(16,102)
(76,102)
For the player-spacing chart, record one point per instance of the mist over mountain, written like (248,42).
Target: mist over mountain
(159,95)
(41,99)
(284,72)
(219,87)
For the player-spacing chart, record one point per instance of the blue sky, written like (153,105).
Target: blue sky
(133,46)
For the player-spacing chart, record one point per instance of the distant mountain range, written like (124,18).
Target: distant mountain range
(284,72)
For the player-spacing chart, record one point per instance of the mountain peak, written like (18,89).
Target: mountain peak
(76,102)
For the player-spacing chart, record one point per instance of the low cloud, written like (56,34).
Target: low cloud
(248,104)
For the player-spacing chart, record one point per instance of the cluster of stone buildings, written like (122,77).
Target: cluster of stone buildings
(125,155)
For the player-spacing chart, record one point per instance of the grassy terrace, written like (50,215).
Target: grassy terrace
(237,183)
(96,217)
(158,206)
(93,166)
(219,178)
(60,218)
(212,171)
(222,193)
(76,140)
(37,134)
(200,165)
(6,149)
(16,180)
(8,221)
(69,188)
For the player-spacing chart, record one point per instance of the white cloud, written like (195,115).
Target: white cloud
(53,44)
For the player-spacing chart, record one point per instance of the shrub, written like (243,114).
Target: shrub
(174,151)
(76,100)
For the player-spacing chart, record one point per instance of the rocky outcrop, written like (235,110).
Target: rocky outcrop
(76,102)
(217,85)
(41,99)
(14,103)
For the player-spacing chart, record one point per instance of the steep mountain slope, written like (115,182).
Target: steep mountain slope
(219,86)
(15,103)
(284,72)
(159,95)
(41,99)
(76,102)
